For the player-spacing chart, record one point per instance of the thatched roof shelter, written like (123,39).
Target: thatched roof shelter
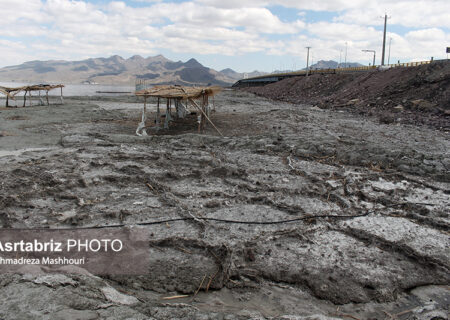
(10,93)
(179,95)
(36,87)
(178,92)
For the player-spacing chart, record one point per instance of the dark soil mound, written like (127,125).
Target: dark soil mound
(414,95)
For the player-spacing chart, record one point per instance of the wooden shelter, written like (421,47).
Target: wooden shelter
(11,93)
(181,97)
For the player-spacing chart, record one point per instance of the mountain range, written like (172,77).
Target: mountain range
(117,70)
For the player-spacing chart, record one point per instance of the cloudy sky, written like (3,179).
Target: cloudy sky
(244,35)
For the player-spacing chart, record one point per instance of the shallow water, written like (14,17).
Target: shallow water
(111,105)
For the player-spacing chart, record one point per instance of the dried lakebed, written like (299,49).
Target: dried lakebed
(276,162)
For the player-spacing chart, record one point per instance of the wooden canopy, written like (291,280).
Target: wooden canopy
(181,97)
(11,92)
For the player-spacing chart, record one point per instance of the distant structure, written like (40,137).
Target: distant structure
(142,84)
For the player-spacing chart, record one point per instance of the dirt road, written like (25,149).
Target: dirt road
(370,200)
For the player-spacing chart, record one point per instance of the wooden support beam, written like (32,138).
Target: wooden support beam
(198,107)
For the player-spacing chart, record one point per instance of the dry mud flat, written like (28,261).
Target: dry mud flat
(386,257)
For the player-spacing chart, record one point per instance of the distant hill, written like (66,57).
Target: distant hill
(117,70)
(240,75)
(322,64)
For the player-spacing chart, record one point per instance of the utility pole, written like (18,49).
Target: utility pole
(384,39)
(389,55)
(307,61)
(345,63)
(340,58)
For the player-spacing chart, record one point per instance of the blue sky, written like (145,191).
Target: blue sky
(244,35)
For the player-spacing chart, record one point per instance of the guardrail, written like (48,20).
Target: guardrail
(410,64)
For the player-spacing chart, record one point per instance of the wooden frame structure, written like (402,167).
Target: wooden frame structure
(181,97)
(11,93)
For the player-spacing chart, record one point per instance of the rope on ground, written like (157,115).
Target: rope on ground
(156,222)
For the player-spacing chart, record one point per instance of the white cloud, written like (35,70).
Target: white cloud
(12,45)
(71,29)
(336,31)
(15,10)
(427,35)
(232,4)
(213,33)
(21,18)
(426,43)
(322,5)
(407,13)
(13,52)
(255,19)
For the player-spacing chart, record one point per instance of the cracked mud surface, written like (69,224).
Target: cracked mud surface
(276,162)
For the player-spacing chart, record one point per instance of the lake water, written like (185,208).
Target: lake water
(79,89)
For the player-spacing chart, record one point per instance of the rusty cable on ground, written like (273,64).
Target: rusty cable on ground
(148,223)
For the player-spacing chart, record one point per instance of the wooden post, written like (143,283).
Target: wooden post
(62,100)
(144,117)
(207,108)
(48,103)
(203,115)
(199,122)
(166,121)
(158,114)
(176,108)
(24,98)
(7,100)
